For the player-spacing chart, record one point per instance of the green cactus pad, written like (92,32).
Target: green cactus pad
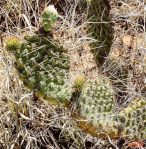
(133,120)
(100,28)
(97,105)
(49,17)
(43,66)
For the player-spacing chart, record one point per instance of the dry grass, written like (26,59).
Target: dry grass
(27,122)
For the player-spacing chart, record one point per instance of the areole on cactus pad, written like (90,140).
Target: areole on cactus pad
(43,66)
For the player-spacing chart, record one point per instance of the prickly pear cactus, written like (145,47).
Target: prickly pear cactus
(43,66)
(100,28)
(133,120)
(97,106)
(49,17)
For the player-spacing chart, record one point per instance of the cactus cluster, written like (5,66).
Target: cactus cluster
(97,107)
(44,66)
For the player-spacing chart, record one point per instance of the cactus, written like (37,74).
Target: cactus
(49,17)
(101,28)
(97,106)
(43,66)
(133,120)
(12,43)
